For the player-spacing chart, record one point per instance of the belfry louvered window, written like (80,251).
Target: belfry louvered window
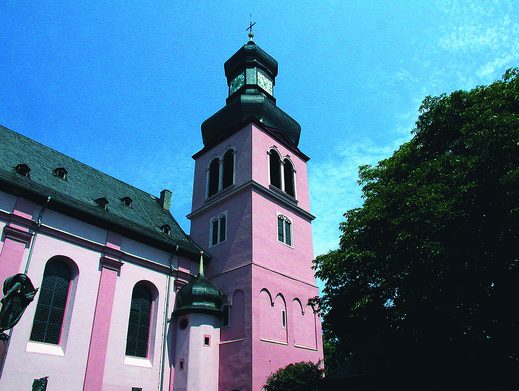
(137,340)
(52,302)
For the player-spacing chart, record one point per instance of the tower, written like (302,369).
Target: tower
(251,211)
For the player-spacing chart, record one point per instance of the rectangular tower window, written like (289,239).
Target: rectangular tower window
(207,340)
(214,236)
(181,364)
(284,319)
(218,229)
(284,230)
(281,234)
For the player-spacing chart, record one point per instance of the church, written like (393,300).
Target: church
(127,300)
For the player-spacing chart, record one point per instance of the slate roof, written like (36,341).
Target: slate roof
(83,185)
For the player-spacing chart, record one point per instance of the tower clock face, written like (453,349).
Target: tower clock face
(264,82)
(236,83)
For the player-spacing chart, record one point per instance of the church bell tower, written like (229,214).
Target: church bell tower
(251,212)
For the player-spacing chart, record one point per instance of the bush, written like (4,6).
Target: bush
(301,376)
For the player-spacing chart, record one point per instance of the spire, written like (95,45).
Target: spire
(201,267)
(251,34)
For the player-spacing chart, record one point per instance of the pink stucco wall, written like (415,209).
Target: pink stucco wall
(273,277)
(261,144)
(274,346)
(66,363)
(241,142)
(200,370)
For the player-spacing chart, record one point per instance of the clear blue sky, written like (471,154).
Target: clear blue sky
(124,85)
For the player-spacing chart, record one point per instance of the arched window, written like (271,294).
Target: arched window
(137,340)
(228,169)
(284,230)
(275,168)
(218,229)
(288,173)
(52,302)
(214,177)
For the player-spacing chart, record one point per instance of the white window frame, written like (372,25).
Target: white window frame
(285,219)
(218,218)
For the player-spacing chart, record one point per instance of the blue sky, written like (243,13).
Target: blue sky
(124,85)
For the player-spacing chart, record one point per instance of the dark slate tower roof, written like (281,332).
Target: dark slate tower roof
(199,295)
(251,76)
(88,194)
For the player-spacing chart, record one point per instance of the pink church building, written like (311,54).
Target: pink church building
(127,301)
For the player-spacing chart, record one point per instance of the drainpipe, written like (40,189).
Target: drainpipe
(166,320)
(38,225)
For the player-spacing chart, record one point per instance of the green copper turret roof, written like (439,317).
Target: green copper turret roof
(250,101)
(199,295)
(250,53)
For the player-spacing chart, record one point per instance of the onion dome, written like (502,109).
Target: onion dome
(251,76)
(199,295)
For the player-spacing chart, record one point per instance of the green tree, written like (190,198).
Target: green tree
(301,376)
(426,280)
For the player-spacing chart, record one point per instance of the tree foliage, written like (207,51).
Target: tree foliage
(426,279)
(301,376)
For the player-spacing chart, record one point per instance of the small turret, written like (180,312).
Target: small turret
(198,317)
(199,295)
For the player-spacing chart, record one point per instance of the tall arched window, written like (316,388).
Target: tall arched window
(137,340)
(275,168)
(214,177)
(288,173)
(228,169)
(52,302)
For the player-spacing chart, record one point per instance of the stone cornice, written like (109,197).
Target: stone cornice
(286,201)
(18,235)
(79,241)
(111,263)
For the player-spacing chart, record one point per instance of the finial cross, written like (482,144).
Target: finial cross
(251,34)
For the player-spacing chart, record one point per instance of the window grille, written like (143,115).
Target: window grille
(52,301)
(139,322)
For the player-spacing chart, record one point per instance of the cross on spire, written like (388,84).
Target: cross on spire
(251,34)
